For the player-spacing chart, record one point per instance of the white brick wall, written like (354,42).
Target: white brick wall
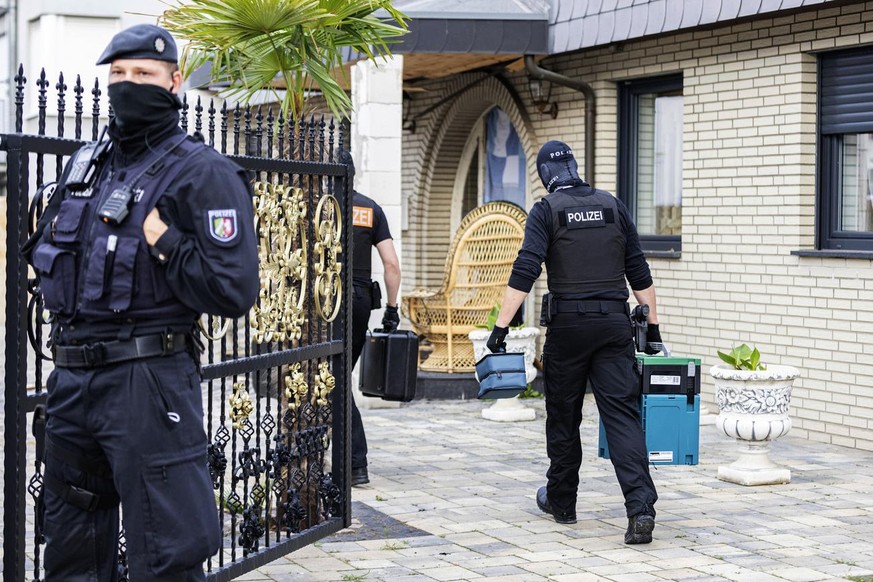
(749,200)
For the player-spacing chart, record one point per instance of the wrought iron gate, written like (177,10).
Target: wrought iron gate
(275,382)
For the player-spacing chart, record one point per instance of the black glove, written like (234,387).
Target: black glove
(495,341)
(653,340)
(391,319)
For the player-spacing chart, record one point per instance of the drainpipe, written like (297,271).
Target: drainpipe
(538,72)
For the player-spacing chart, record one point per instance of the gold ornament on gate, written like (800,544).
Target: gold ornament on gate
(240,405)
(324,384)
(217,329)
(328,288)
(295,387)
(280,221)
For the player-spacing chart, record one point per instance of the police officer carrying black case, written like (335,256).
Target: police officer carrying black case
(144,233)
(590,247)
(370,229)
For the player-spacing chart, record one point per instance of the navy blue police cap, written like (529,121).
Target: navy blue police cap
(143,41)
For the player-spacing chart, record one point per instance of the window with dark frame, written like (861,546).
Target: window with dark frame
(844,216)
(650,141)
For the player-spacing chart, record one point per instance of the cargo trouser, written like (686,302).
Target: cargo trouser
(362,305)
(598,347)
(145,417)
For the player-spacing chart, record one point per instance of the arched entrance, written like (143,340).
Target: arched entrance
(447,184)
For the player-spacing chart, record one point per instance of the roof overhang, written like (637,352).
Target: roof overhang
(448,37)
(474,36)
(416,67)
(474,27)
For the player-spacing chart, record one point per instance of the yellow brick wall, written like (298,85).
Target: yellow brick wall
(748,201)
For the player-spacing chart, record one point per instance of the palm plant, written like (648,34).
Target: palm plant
(252,43)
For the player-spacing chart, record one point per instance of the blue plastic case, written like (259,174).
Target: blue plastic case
(501,375)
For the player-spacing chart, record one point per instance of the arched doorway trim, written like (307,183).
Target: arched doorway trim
(431,203)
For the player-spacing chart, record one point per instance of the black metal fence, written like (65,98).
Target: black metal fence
(275,383)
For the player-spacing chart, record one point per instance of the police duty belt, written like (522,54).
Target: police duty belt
(603,307)
(95,355)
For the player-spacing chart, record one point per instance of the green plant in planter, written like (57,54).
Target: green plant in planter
(742,357)
(530,392)
(491,320)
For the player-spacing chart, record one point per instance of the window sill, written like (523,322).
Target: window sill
(834,254)
(662,254)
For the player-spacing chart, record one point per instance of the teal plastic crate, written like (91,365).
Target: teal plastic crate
(671,423)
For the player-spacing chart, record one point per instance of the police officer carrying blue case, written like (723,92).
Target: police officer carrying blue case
(591,250)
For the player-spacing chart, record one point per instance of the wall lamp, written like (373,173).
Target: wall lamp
(540,95)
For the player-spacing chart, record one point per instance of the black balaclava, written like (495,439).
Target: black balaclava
(144,115)
(557,166)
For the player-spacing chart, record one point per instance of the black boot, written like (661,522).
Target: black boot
(546,507)
(360,476)
(639,529)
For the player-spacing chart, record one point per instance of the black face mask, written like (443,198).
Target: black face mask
(138,106)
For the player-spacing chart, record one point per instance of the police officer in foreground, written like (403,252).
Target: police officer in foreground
(590,246)
(370,229)
(142,235)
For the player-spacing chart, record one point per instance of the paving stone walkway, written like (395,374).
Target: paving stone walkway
(451,497)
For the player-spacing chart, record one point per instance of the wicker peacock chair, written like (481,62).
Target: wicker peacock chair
(477,270)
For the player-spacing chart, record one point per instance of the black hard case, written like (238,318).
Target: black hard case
(389,365)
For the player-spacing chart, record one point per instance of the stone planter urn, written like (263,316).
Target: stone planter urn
(753,409)
(523,341)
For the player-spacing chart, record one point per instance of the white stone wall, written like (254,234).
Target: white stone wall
(748,200)
(377,90)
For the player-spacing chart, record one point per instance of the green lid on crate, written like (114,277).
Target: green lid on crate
(657,360)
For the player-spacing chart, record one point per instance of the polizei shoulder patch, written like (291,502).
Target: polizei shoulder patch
(586,217)
(222,225)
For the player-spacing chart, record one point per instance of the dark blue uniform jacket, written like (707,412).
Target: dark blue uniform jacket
(100,279)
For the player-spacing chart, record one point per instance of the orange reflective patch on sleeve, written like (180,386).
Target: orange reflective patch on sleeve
(362,216)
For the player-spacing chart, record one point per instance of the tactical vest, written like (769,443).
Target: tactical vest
(94,271)
(587,247)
